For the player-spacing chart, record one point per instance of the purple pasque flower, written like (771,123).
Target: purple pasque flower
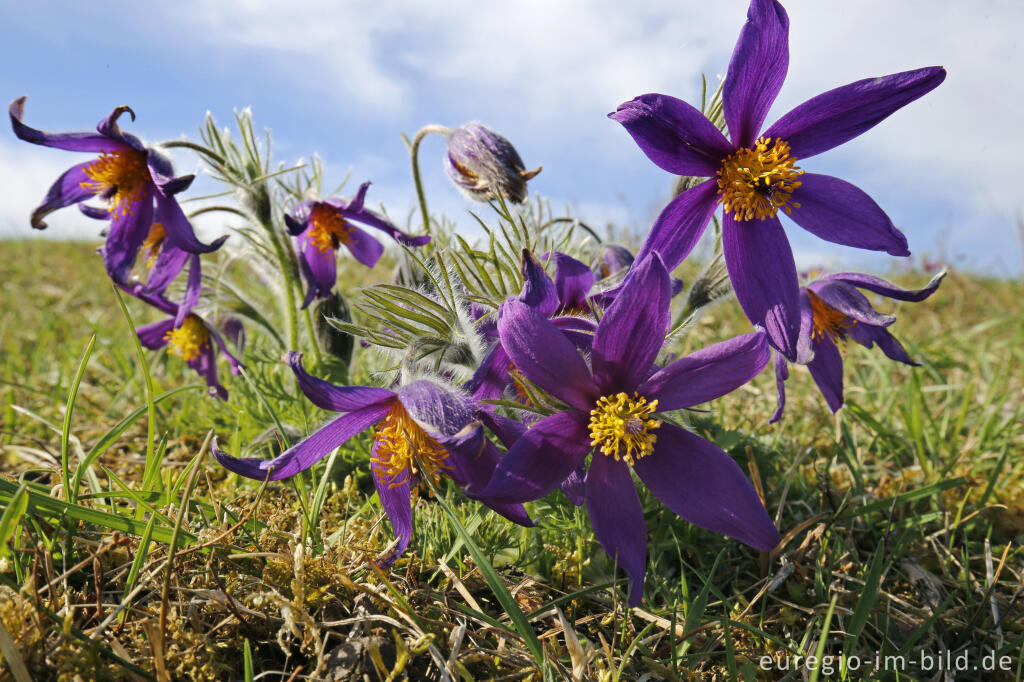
(484,165)
(837,311)
(322,227)
(136,181)
(564,299)
(186,334)
(611,409)
(754,175)
(424,428)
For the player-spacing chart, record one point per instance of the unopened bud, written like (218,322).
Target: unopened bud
(334,341)
(484,165)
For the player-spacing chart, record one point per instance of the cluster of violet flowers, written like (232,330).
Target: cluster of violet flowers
(563,384)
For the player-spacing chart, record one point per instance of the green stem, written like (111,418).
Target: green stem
(312,338)
(414,150)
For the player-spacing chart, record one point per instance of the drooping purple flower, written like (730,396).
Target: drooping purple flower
(136,181)
(186,334)
(838,311)
(753,176)
(322,227)
(484,165)
(423,429)
(612,411)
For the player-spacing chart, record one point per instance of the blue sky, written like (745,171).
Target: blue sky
(342,79)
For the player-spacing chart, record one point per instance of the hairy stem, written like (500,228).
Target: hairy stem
(414,150)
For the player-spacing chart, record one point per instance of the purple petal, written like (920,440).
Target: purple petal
(698,481)
(763,275)
(218,339)
(108,126)
(193,288)
(472,471)
(169,263)
(541,459)
(205,365)
(632,331)
(67,190)
(95,212)
(839,115)
(394,495)
(438,409)
(128,230)
(867,335)
(179,229)
(243,466)
(673,134)
(839,212)
(363,247)
(371,219)
(845,299)
(320,443)
(781,374)
(680,224)
(709,373)
(575,487)
(75,142)
(538,292)
(507,430)
(573,281)
(541,352)
(613,259)
(618,520)
(756,71)
(327,396)
(298,220)
(319,269)
(491,378)
(888,289)
(827,370)
(152,335)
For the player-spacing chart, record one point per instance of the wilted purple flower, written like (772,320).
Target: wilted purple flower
(612,408)
(837,312)
(187,335)
(753,176)
(423,429)
(483,165)
(322,227)
(130,177)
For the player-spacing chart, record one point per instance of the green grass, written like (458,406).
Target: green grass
(902,518)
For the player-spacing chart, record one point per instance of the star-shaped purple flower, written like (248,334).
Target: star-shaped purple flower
(136,181)
(424,428)
(754,175)
(611,410)
(838,311)
(322,227)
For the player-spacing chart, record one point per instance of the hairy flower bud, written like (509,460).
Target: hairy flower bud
(484,165)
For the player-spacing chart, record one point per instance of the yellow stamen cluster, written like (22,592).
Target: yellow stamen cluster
(756,183)
(828,321)
(404,449)
(188,340)
(120,177)
(621,426)
(327,228)
(154,242)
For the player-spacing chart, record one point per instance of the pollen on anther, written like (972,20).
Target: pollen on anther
(621,426)
(403,449)
(328,228)
(755,183)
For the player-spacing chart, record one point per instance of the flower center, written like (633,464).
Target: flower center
(404,449)
(756,183)
(828,321)
(328,228)
(621,426)
(188,340)
(153,244)
(120,177)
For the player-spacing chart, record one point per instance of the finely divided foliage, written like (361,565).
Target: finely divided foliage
(539,372)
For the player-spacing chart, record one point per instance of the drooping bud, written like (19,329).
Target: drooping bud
(484,165)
